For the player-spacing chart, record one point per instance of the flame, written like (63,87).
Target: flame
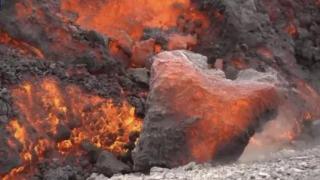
(45,106)
(23,47)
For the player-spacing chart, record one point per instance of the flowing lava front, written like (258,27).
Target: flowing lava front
(48,111)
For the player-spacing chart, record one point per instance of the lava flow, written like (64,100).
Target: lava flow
(56,119)
(126,19)
(125,22)
(22,47)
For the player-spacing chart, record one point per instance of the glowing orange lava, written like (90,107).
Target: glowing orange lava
(125,20)
(46,106)
(23,47)
(126,17)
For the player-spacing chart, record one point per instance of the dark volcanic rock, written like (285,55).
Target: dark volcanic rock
(4,108)
(140,75)
(47,31)
(9,157)
(195,114)
(108,164)
(63,173)
(63,133)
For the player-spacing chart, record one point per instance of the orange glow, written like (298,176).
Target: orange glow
(108,126)
(125,20)
(60,38)
(141,51)
(45,105)
(18,131)
(265,52)
(203,137)
(13,174)
(23,47)
(64,146)
(224,109)
(177,41)
(311,97)
(239,63)
(24,9)
(255,142)
(291,29)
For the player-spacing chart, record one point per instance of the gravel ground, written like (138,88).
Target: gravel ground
(289,163)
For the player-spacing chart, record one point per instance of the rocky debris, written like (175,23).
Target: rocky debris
(307,43)
(139,75)
(258,33)
(286,164)
(177,41)
(176,131)
(109,83)
(9,156)
(63,173)
(108,164)
(49,32)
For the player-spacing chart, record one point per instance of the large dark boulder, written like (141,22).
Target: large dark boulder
(196,114)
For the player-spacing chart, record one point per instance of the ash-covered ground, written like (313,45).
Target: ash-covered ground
(292,162)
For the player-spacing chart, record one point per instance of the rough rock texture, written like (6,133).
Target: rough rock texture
(258,34)
(195,114)
(63,173)
(286,164)
(109,165)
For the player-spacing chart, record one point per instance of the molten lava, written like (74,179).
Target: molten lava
(126,20)
(22,47)
(47,110)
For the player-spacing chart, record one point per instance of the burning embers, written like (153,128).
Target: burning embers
(55,120)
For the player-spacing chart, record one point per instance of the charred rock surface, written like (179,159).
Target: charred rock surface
(258,34)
